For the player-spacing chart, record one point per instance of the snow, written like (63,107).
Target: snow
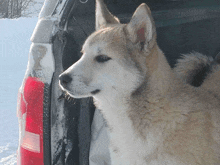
(14,48)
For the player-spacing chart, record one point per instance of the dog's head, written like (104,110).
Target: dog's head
(113,60)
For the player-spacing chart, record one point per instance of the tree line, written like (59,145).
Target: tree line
(13,8)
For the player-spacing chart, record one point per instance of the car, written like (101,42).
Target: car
(58,130)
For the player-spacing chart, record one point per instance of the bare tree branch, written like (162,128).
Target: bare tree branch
(17,8)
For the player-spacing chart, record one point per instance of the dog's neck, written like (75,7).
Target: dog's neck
(152,96)
(158,79)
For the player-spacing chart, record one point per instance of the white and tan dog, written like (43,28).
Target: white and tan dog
(154,118)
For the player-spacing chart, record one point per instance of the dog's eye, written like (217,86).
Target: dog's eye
(102,58)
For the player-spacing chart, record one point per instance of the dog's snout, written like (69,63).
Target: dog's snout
(65,79)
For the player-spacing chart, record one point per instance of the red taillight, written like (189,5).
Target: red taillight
(31,113)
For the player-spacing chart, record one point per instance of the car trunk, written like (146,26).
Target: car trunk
(183,26)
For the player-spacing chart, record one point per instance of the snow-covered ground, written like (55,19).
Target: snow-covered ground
(14,47)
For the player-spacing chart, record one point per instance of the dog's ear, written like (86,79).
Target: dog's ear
(103,16)
(141,28)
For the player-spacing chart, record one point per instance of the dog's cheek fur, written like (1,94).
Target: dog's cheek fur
(124,74)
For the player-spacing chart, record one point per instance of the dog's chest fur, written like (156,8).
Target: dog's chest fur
(136,139)
(124,140)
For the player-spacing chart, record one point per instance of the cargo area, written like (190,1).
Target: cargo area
(183,26)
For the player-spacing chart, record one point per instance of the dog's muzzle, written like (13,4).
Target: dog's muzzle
(65,79)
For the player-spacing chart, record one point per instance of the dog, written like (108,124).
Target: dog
(200,71)
(154,118)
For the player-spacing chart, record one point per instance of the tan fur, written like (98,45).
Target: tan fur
(187,67)
(210,83)
(155,118)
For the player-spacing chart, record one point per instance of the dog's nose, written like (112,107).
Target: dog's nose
(65,79)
